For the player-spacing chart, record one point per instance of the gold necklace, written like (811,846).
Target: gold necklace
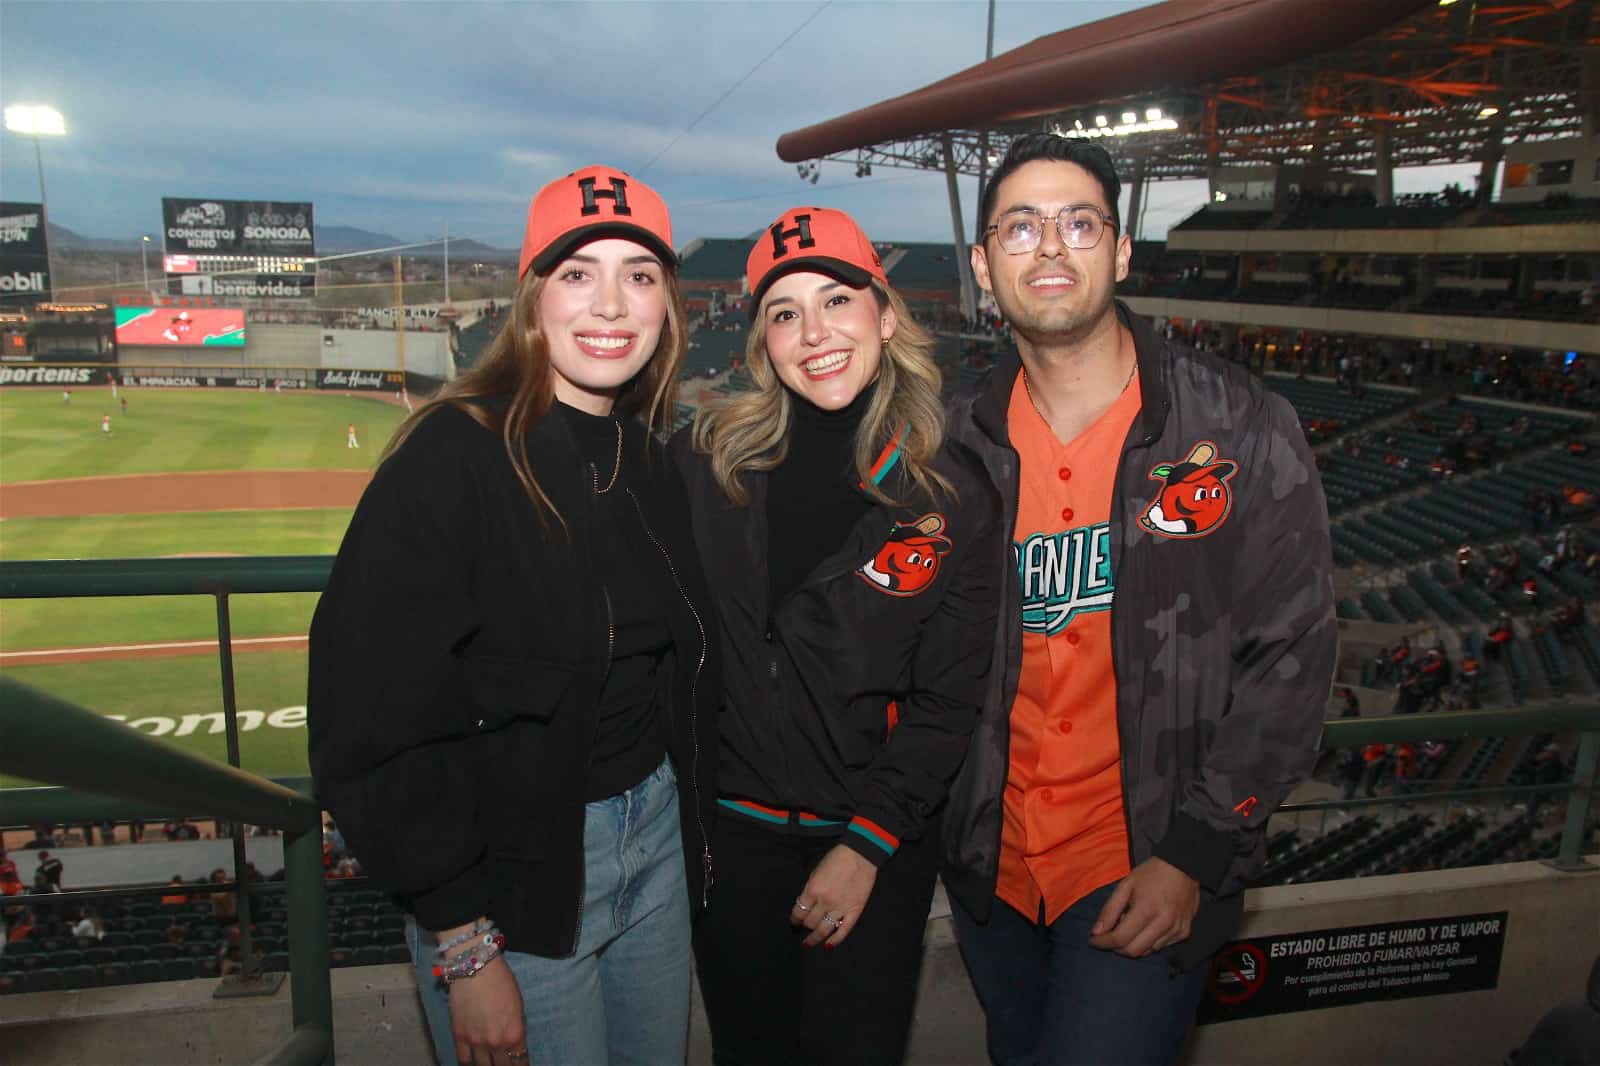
(616,467)
(1026,387)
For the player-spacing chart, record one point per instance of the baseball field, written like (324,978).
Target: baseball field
(181,472)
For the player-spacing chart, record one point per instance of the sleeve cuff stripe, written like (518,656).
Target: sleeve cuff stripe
(875,833)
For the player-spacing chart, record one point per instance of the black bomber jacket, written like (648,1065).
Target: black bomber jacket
(849,704)
(1223,631)
(457,656)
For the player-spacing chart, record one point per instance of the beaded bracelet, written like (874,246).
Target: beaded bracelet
(471,961)
(479,927)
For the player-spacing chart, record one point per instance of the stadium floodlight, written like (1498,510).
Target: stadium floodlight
(1152,114)
(38,120)
(1488,111)
(35,120)
(1129,118)
(1101,120)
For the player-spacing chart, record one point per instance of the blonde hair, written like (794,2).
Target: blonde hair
(750,431)
(516,368)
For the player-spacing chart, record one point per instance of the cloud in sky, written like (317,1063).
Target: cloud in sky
(406,117)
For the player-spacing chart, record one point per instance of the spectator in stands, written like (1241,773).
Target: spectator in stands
(840,443)
(177,894)
(1469,675)
(513,670)
(1352,705)
(88,929)
(1116,865)
(49,868)
(1350,770)
(1375,759)
(19,925)
(1405,767)
(43,837)
(181,829)
(10,881)
(1500,635)
(1463,562)
(1530,593)
(224,902)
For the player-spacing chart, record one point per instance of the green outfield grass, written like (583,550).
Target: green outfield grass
(140,619)
(169,689)
(185,429)
(312,532)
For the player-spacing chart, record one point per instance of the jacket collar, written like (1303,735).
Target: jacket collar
(1150,352)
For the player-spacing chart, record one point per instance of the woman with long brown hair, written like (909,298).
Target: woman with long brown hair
(855,562)
(511,669)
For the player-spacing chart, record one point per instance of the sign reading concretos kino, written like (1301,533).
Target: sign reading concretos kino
(237,227)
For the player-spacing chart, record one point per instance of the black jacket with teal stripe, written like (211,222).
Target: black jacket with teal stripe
(849,704)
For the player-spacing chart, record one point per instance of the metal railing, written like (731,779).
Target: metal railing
(51,740)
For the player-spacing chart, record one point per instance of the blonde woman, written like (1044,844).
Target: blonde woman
(855,565)
(511,678)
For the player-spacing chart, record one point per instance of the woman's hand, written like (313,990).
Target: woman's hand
(486,1017)
(837,889)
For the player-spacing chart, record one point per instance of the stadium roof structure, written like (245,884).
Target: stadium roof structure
(1178,88)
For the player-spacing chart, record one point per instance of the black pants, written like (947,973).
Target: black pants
(769,1000)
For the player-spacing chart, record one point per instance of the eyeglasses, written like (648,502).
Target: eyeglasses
(1080,226)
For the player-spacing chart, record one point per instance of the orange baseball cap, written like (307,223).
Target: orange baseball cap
(812,238)
(590,203)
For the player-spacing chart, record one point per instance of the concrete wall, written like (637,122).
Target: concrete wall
(1571,239)
(274,345)
(1511,332)
(150,863)
(1553,933)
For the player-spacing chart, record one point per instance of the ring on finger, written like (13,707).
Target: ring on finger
(837,920)
(801,907)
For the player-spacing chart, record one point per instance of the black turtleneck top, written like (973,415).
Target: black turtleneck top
(630,738)
(813,498)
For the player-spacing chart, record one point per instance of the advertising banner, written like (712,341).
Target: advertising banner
(180,378)
(53,375)
(24,255)
(365,380)
(245,248)
(1354,964)
(209,327)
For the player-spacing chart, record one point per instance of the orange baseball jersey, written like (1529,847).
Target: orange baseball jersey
(1064,832)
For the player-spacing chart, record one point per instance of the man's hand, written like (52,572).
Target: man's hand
(1150,909)
(837,888)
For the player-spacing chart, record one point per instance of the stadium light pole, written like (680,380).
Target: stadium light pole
(36,120)
(144,260)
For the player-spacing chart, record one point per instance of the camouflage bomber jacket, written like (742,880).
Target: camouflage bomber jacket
(1223,631)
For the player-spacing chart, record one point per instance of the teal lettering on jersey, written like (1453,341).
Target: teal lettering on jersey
(1064,575)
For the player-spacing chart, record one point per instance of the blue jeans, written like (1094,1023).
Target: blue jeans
(624,996)
(1050,998)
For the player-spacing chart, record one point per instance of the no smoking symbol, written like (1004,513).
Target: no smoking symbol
(1238,973)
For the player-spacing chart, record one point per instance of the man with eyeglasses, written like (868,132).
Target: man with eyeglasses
(1163,658)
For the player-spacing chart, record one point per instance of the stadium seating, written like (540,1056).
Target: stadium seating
(365,928)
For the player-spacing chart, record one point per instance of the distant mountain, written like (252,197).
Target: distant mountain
(351,239)
(331,240)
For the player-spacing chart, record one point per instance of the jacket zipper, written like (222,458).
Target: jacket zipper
(694,686)
(605,670)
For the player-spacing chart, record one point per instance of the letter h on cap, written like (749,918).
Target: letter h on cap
(780,236)
(618,196)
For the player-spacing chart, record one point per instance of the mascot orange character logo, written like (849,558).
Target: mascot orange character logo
(1195,496)
(909,560)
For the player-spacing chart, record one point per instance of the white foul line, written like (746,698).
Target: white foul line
(171,645)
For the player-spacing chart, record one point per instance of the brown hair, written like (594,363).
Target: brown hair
(516,368)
